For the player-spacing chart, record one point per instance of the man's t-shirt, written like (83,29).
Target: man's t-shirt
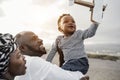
(39,69)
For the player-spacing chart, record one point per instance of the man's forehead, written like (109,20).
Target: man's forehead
(27,34)
(30,36)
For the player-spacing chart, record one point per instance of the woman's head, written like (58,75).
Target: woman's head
(12,63)
(66,24)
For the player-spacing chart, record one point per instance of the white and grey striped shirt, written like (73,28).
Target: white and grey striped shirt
(73,46)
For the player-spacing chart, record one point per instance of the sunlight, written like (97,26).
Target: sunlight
(22,13)
(41,17)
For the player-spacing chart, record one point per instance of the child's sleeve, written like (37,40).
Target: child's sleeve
(52,53)
(90,32)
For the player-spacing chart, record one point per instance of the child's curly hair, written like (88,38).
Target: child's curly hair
(59,19)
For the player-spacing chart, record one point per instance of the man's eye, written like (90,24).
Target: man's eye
(34,37)
(73,21)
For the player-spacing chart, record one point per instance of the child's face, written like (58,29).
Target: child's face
(67,25)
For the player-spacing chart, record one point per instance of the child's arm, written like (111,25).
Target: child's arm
(52,53)
(90,32)
(93,21)
(61,57)
(60,52)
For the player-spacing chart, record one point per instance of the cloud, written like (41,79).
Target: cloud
(2,1)
(2,13)
(41,16)
(1,10)
(43,2)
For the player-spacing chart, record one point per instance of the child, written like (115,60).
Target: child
(71,44)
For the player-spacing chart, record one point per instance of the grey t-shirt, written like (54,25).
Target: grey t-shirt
(73,46)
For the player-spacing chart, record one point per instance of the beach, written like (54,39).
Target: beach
(100,69)
(104,69)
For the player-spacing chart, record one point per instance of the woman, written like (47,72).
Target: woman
(12,63)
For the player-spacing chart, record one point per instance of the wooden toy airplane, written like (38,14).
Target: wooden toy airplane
(97,8)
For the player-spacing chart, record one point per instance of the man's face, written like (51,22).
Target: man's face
(17,63)
(35,45)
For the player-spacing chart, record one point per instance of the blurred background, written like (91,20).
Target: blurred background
(40,16)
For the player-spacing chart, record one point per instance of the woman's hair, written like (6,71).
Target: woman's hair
(7,46)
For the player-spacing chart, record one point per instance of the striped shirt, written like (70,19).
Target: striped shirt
(73,46)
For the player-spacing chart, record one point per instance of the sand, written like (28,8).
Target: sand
(101,69)
(104,69)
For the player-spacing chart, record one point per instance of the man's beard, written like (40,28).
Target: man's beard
(35,52)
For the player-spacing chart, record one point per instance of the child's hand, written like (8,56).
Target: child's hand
(94,21)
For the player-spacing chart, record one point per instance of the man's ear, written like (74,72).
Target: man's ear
(22,48)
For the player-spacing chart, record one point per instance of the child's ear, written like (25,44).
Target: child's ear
(60,29)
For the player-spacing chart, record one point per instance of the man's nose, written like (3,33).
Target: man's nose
(40,40)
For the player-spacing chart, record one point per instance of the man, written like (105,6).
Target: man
(38,68)
(30,44)
(12,63)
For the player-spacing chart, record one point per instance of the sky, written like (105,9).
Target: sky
(40,16)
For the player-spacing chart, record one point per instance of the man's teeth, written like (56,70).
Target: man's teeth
(41,46)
